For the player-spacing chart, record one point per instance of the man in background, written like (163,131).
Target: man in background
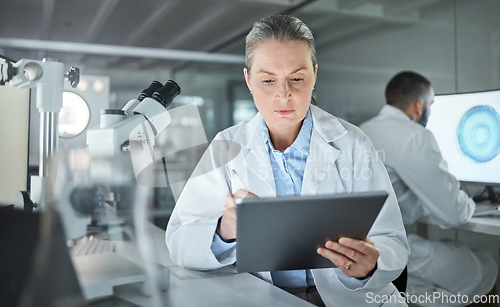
(427,192)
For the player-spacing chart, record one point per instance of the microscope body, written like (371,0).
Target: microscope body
(122,146)
(130,132)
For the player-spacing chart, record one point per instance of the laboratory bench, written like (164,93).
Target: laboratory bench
(222,287)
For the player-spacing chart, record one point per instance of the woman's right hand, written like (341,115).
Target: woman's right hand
(227,227)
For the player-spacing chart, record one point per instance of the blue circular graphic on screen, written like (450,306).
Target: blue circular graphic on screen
(479,133)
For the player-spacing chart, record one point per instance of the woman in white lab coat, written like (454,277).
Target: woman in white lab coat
(281,73)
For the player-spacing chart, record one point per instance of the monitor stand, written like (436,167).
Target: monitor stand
(488,194)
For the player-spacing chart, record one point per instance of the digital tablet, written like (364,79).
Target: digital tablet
(283,233)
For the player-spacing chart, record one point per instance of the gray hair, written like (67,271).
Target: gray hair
(281,27)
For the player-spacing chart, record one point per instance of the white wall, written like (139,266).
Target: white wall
(14,135)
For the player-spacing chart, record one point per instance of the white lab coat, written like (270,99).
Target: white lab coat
(427,192)
(341,159)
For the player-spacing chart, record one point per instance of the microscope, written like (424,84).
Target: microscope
(117,160)
(133,129)
(119,157)
(121,150)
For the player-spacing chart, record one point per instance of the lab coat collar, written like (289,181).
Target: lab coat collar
(326,125)
(323,153)
(255,158)
(250,136)
(391,111)
(302,141)
(326,130)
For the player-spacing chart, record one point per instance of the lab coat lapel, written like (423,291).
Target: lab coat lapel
(323,154)
(322,157)
(260,174)
(253,166)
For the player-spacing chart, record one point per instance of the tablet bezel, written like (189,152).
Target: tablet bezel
(283,233)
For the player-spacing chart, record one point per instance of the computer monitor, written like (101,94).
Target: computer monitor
(467,129)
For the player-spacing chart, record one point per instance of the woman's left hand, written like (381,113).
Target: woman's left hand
(355,258)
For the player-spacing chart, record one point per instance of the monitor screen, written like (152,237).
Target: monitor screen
(467,129)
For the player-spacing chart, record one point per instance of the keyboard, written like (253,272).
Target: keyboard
(484,210)
(90,245)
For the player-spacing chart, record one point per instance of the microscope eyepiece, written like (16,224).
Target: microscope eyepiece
(150,90)
(166,93)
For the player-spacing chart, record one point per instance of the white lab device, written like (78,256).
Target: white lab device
(138,122)
(48,78)
(120,148)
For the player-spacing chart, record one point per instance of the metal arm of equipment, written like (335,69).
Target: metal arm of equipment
(47,76)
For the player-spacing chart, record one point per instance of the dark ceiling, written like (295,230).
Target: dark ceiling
(105,33)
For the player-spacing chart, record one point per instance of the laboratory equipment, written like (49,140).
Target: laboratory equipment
(123,145)
(467,129)
(132,130)
(119,149)
(90,183)
(487,210)
(47,77)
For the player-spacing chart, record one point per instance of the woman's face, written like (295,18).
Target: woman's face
(281,80)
